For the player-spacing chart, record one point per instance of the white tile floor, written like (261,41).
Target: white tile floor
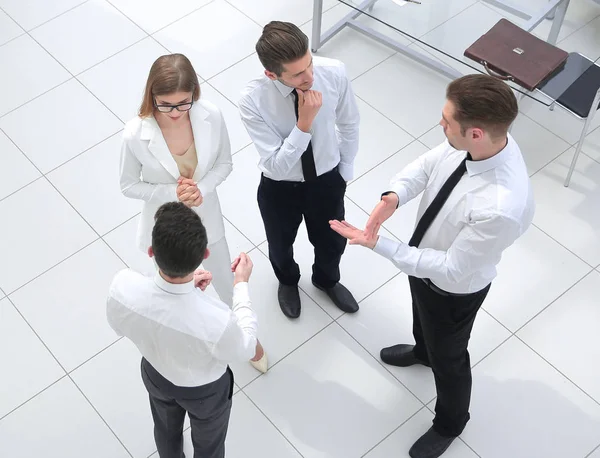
(72,73)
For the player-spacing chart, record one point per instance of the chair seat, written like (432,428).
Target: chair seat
(582,87)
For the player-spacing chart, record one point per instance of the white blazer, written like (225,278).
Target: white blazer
(149,172)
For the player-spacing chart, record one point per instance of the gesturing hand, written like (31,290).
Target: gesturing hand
(242,268)
(354,235)
(188,192)
(202,279)
(382,211)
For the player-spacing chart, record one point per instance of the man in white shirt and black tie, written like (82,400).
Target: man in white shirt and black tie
(186,337)
(477,200)
(303,119)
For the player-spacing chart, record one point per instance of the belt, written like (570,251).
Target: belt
(440,291)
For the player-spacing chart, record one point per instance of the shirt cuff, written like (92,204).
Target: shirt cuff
(240,293)
(299,139)
(386,247)
(391,192)
(402,195)
(346,171)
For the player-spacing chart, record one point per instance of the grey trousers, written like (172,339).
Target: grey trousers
(208,407)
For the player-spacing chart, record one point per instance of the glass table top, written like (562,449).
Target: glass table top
(443,29)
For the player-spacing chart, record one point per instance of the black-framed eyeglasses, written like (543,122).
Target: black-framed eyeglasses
(187,106)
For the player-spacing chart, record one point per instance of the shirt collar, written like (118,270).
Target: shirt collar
(478,167)
(283,89)
(180,288)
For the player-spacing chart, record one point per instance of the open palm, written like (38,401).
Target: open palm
(354,235)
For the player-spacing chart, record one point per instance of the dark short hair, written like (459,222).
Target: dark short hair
(178,239)
(483,101)
(279,44)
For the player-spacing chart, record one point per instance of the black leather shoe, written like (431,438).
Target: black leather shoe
(289,300)
(430,445)
(401,355)
(341,297)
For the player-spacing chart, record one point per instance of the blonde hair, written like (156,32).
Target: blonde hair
(169,74)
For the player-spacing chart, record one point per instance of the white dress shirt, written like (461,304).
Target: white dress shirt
(267,111)
(488,210)
(186,335)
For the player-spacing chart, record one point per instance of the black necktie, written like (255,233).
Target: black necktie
(307,158)
(438,202)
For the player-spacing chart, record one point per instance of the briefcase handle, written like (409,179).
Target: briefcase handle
(495,74)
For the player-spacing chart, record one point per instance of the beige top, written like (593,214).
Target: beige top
(187,162)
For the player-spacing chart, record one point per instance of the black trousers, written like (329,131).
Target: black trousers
(442,325)
(208,407)
(283,204)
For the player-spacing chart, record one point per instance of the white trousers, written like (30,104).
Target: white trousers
(219,264)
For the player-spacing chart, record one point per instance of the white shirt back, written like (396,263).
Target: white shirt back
(185,334)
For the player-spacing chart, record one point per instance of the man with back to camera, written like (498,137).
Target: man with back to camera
(303,119)
(477,201)
(186,337)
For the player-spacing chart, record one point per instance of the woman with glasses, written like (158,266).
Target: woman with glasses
(177,149)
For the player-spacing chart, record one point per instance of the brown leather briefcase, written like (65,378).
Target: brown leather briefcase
(510,53)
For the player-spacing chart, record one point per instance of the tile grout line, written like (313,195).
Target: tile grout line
(44,177)
(243,387)
(98,353)
(41,175)
(590,157)
(47,20)
(52,267)
(289,353)
(591,453)
(363,175)
(486,356)
(70,73)
(244,14)
(98,413)
(6,415)
(553,301)
(255,246)
(270,421)
(552,159)
(381,364)
(12,110)
(559,371)
(566,248)
(266,255)
(15,37)
(149,34)
(67,375)
(364,455)
(424,404)
(81,153)
(100,62)
(122,224)
(243,235)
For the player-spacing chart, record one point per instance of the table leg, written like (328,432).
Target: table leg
(558,18)
(316,25)
(584,132)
